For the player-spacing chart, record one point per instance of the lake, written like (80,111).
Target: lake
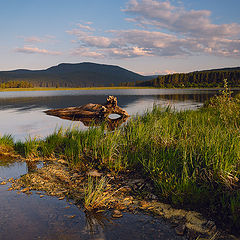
(21,113)
(33,217)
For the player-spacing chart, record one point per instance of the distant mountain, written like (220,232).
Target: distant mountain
(74,75)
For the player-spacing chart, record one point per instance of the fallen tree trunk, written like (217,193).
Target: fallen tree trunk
(89,110)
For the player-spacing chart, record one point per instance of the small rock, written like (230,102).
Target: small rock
(180,229)
(75,175)
(94,173)
(117,214)
(125,189)
(211,225)
(153,197)
(61,198)
(41,196)
(71,216)
(62,162)
(25,190)
(3,183)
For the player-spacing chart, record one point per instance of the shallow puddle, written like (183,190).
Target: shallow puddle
(43,217)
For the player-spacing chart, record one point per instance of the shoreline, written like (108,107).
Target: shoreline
(101,88)
(64,89)
(189,158)
(58,180)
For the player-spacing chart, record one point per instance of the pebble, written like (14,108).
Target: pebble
(94,173)
(25,190)
(117,214)
(180,229)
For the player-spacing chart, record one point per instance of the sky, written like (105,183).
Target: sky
(145,36)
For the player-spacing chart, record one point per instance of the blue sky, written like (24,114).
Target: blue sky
(145,36)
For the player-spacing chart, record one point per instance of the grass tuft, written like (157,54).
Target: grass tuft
(96,194)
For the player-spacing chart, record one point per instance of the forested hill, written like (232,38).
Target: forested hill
(74,75)
(206,78)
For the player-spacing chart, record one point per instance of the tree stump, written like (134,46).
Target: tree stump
(90,110)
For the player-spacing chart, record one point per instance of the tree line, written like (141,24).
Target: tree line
(16,84)
(193,79)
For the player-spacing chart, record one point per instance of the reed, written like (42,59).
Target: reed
(191,156)
(96,194)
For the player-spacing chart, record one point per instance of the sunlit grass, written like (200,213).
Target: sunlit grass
(96,194)
(193,157)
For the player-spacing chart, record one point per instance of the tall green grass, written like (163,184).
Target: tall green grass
(6,140)
(193,157)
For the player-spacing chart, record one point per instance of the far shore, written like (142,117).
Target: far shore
(96,88)
(68,88)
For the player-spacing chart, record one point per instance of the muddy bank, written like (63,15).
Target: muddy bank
(124,194)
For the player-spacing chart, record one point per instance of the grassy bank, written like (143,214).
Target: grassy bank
(191,156)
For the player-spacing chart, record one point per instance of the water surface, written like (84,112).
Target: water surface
(27,217)
(21,113)
(31,217)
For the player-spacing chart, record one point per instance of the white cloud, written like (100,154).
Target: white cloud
(35,39)
(86,52)
(163,15)
(95,41)
(35,50)
(162,30)
(85,27)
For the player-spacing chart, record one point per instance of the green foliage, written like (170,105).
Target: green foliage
(96,194)
(191,156)
(29,148)
(227,107)
(6,140)
(195,79)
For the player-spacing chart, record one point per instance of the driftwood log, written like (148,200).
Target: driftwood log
(90,110)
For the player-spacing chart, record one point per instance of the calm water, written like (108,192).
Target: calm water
(31,217)
(21,113)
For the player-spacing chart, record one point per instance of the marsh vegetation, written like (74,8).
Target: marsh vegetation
(191,157)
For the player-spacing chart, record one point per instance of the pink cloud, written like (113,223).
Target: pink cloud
(189,32)
(35,50)
(85,27)
(163,15)
(86,52)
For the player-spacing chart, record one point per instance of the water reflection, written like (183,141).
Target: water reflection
(110,123)
(96,221)
(31,217)
(21,113)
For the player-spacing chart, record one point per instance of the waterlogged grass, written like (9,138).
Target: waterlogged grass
(7,140)
(193,157)
(96,194)
(6,144)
